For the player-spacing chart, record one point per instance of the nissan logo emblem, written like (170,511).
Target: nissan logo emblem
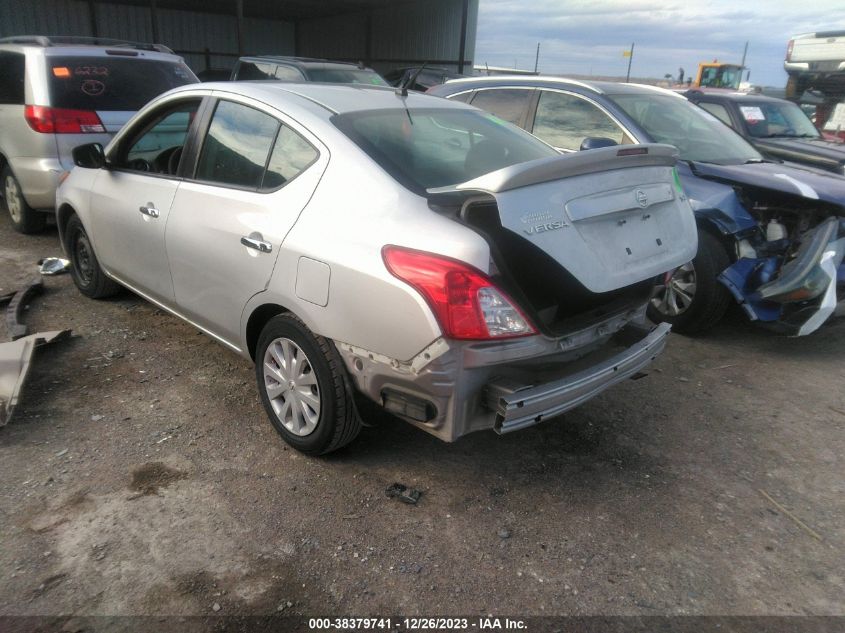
(642,199)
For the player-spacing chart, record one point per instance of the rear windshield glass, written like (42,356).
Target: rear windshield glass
(111,83)
(425,148)
(346,76)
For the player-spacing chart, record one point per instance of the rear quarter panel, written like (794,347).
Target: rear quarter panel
(357,210)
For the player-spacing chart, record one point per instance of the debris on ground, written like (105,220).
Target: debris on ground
(17,305)
(403,493)
(15,361)
(504,533)
(53,266)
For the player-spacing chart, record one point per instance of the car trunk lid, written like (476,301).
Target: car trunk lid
(610,217)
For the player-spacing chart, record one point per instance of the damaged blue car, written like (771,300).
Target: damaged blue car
(771,234)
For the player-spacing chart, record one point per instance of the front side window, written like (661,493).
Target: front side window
(12,66)
(427,147)
(236,146)
(157,145)
(111,83)
(698,135)
(510,104)
(564,121)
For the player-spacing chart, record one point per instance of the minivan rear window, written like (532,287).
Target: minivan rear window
(111,83)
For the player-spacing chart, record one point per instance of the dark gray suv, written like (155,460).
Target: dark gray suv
(57,93)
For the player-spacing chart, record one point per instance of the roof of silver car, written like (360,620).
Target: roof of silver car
(598,87)
(336,98)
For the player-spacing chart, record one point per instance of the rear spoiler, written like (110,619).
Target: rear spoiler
(559,167)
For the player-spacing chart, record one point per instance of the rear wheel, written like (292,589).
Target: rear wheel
(85,269)
(691,297)
(25,219)
(303,387)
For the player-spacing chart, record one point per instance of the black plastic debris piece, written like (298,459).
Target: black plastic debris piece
(403,493)
(16,306)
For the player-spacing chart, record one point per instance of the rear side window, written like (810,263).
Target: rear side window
(291,155)
(717,110)
(508,104)
(111,82)
(346,76)
(12,67)
(462,96)
(236,146)
(288,73)
(250,71)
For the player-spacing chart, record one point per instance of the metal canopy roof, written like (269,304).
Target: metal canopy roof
(291,10)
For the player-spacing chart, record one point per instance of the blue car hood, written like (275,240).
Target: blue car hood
(806,182)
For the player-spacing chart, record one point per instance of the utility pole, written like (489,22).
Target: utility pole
(742,65)
(630,59)
(537,57)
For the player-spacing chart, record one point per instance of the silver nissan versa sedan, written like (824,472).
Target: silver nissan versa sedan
(363,245)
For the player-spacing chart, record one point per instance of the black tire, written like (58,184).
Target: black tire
(24,218)
(710,299)
(85,269)
(336,421)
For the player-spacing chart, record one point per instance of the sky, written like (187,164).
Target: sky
(587,37)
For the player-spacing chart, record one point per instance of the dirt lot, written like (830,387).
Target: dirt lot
(141,476)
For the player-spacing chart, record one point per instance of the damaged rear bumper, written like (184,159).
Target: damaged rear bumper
(804,294)
(457,387)
(520,405)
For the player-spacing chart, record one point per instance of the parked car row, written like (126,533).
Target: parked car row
(770,233)
(483,261)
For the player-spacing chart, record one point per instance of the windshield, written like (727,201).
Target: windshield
(698,135)
(767,119)
(346,76)
(425,148)
(112,83)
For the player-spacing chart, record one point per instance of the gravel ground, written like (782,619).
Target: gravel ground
(140,476)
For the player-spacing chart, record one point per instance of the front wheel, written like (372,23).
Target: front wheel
(24,218)
(691,297)
(85,269)
(303,387)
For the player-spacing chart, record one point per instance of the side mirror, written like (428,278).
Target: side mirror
(90,156)
(595,142)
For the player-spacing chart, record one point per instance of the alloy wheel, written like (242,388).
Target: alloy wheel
(291,386)
(677,292)
(13,198)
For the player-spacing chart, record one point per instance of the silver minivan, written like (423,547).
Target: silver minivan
(60,92)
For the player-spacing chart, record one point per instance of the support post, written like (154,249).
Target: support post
(537,58)
(154,20)
(630,59)
(239,15)
(462,51)
(92,14)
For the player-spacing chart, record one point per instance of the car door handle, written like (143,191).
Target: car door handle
(259,245)
(149,210)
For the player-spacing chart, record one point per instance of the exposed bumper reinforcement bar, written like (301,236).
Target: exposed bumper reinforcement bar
(519,406)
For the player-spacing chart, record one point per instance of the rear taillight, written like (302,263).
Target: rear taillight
(466,303)
(48,120)
(789,50)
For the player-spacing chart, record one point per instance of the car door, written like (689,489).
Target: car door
(255,172)
(131,198)
(565,119)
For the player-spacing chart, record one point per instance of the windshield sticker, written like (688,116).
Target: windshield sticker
(837,119)
(752,114)
(91,71)
(92,87)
